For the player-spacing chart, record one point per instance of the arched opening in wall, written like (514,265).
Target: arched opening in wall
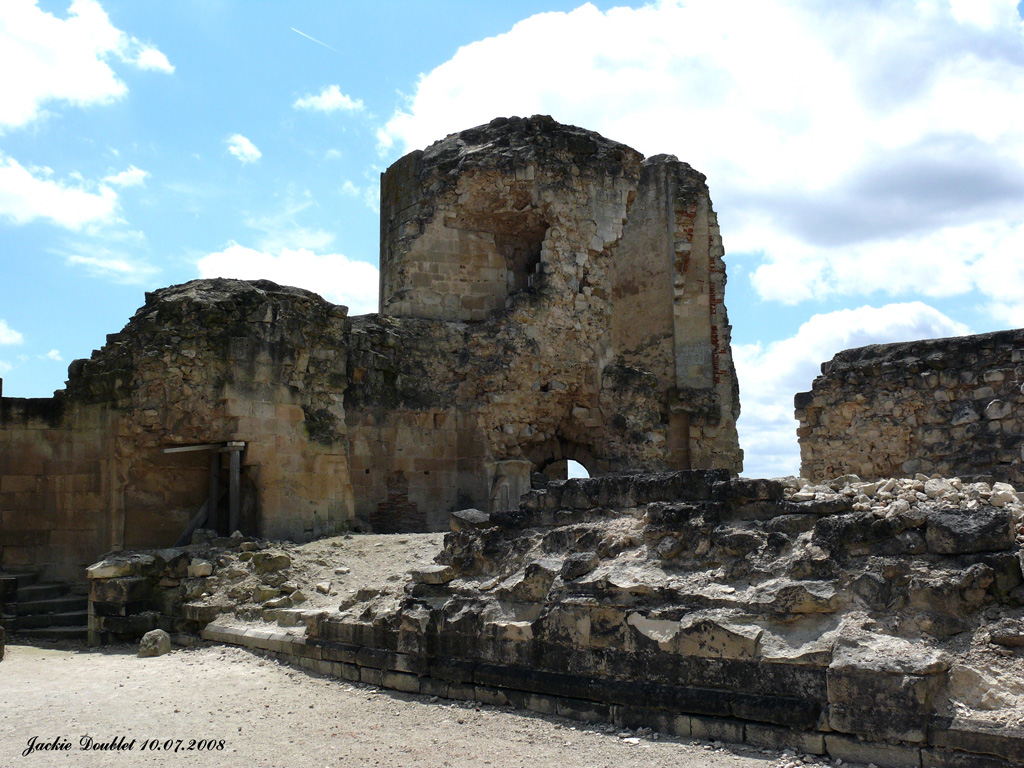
(561,460)
(575,469)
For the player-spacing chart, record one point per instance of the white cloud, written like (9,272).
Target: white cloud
(330,99)
(281,230)
(770,375)
(63,59)
(131,177)
(153,59)
(243,149)
(334,276)
(53,354)
(829,137)
(8,335)
(110,263)
(29,194)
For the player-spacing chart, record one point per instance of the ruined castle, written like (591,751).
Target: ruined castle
(546,294)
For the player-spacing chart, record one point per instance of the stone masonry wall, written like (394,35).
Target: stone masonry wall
(950,407)
(577,267)
(57,506)
(209,362)
(547,294)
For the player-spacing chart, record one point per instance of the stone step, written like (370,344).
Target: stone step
(53,605)
(18,579)
(55,633)
(34,592)
(66,619)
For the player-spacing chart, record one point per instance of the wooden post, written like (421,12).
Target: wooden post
(212,517)
(234,486)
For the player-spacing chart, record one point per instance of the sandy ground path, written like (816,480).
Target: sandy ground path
(269,714)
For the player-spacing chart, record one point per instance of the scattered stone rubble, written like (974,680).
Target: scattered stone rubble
(868,621)
(242,579)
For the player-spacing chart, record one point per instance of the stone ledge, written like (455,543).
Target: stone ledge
(467,681)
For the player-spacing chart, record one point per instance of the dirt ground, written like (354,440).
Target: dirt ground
(257,712)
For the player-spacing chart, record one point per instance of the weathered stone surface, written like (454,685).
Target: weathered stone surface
(199,568)
(959,531)
(154,643)
(119,566)
(731,636)
(469,519)
(939,407)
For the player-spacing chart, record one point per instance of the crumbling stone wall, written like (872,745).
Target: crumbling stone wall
(208,362)
(950,407)
(842,620)
(591,283)
(547,294)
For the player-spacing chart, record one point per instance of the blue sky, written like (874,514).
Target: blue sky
(865,158)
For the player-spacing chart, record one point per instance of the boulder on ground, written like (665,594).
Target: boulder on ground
(154,643)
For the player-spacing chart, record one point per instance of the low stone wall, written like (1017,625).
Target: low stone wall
(699,606)
(949,407)
(132,593)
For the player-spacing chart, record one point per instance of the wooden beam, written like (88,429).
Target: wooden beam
(187,448)
(193,526)
(234,490)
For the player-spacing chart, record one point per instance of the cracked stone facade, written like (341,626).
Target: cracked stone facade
(546,294)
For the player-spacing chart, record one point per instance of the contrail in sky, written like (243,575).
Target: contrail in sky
(318,42)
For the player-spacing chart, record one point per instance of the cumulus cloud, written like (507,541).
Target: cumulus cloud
(63,59)
(29,194)
(8,335)
(334,276)
(53,354)
(770,375)
(131,177)
(827,133)
(330,99)
(243,149)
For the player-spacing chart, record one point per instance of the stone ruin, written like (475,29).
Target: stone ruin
(546,295)
(947,407)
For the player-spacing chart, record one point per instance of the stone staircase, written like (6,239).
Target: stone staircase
(48,611)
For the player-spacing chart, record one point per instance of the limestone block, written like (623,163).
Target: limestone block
(198,568)
(270,562)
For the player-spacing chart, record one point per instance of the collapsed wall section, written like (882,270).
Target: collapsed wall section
(951,407)
(668,312)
